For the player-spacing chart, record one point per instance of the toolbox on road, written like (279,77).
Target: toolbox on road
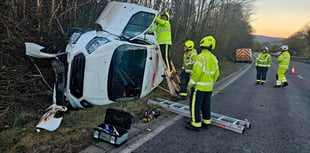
(115,128)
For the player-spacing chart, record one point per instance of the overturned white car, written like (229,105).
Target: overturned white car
(120,62)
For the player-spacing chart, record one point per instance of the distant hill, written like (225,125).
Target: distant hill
(266,39)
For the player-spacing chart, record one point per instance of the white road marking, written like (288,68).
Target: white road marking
(149,136)
(299,76)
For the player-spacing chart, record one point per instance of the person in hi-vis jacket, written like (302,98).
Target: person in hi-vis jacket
(188,62)
(283,64)
(205,73)
(262,63)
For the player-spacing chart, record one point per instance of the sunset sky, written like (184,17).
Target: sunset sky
(280,18)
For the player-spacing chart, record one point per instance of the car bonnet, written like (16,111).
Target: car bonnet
(123,19)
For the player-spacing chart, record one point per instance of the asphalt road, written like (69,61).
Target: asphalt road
(280,118)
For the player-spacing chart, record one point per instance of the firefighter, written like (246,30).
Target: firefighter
(163,36)
(188,62)
(262,63)
(205,73)
(283,64)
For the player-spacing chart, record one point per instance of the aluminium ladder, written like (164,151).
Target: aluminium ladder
(219,120)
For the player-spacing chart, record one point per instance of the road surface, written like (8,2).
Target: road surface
(280,118)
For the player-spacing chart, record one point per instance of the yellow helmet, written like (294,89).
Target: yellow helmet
(208,42)
(189,44)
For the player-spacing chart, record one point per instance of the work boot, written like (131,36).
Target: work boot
(262,83)
(192,128)
(257,83)
(205,126)
(284,84)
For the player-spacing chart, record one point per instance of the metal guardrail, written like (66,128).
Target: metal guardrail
(300,59)
(295,58)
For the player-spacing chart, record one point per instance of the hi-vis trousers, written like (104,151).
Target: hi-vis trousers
(281,76)
(200,103)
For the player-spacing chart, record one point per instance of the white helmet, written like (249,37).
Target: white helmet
(284,47)
(265,48)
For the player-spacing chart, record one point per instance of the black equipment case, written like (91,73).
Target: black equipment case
(115,128)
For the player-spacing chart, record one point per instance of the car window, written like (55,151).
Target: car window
(138,23)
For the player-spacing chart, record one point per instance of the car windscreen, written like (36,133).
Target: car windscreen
(126,72)
(138,23)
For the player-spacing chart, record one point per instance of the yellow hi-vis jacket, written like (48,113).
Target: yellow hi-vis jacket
(284,60)
(263,60)
(205,71)
(188,60)
(163,31)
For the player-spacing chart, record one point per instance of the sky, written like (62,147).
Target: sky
(280,18)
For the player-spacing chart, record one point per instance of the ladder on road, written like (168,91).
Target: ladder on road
(219,120)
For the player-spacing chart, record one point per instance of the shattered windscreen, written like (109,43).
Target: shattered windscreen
(126,72)
(138,23)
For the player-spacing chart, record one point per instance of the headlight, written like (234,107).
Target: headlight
(96,43)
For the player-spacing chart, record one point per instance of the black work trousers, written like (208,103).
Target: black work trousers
(165,52)
(200,103)
(184,81)
(261,74)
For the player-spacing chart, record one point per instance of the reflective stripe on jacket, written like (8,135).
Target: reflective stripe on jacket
(188,60)
(263,60)
(284,60)
(205,71)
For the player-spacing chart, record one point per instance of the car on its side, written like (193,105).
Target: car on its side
(118,62)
